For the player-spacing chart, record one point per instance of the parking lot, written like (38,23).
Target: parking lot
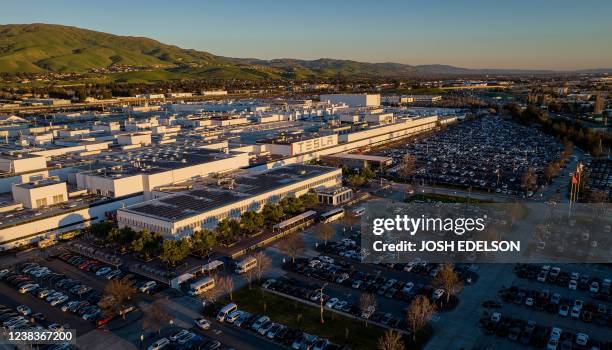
(489,154)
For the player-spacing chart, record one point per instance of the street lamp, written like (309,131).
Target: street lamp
(321,301)
(141,340)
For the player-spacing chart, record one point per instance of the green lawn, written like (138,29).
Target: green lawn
(337,328)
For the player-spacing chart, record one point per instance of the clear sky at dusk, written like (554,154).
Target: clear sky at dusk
(477,34)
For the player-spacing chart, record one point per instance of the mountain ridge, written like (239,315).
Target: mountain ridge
(40,48)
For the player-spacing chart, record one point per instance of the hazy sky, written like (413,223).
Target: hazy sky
(554,34)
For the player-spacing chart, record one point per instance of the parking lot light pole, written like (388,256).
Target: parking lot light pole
(321,301)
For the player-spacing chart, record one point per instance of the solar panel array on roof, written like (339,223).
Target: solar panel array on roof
(163,211)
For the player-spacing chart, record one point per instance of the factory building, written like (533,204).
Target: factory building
(352,100)
(179,214)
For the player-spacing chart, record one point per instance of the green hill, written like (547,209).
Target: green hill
(39,48)
(46,47)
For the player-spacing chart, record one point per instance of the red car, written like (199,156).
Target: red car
(104,320)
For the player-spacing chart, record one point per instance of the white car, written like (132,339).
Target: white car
(496,317)
(555,333)
(563,310)
(4,272)
(103,271)
(552,344)
(367,313)
(326,259)
(573,284)
(147,286)
(259,322)
(332,302)
(437,294)
(357,284)
(268,283)
(582,339)
(233,316)
(159,344)
(202,323)
(24,310)
(576,312)
(184,339)
(59,300)
(408,287)
(179,334)
(594,288)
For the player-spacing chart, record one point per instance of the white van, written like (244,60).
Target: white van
(226,310)
(201,286)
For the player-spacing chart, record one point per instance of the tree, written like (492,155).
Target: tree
(155,317)
(117,293)
(406,166)
(249,274)
(292,245)
(551,170)
(226,284)
(325,231)
(263,264)
(174,252)
(309,200)
(367,302)
(529,180)
(272,213)
(147,244)
(419,313)
(448,279)
(203,241)
(251,221)
(391,340)
(355,180)
(101,229)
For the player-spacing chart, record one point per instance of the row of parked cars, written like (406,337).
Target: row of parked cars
(313,293)
(184,339)
(99,269)
(265,327)
(56,289)
(598,287)
(493,157)
(348,248)
(326,269)
(555,303)
(528,332)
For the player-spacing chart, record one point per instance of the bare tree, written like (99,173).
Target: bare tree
(419,313)
(250,274)
(212,293)
(367,302)
(529,180)
(550,171)
(155,317)
(391,340)
(293,245)
(325,232)
(406,166)
(117,293)
(263,264)
(448,279)
(226,284)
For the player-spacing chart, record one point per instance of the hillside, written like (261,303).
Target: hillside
(45,47)
(39,48)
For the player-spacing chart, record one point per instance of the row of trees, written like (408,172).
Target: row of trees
(572,131)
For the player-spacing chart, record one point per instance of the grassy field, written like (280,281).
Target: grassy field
(337,328)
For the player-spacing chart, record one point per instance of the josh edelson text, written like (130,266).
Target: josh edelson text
(401,225)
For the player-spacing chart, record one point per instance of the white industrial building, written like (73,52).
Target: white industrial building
(352,100)
(180,214)
(40,193)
